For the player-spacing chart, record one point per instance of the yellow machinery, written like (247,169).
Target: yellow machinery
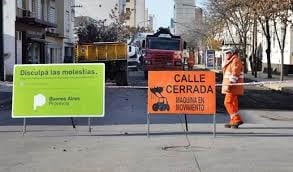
(113,54)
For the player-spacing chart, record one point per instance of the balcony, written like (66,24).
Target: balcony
(31,18)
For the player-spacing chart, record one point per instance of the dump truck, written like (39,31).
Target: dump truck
(163,51)
(112,54)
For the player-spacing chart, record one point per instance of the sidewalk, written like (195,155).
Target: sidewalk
(265,146)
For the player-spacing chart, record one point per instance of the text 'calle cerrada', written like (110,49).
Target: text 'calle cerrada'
(196,88)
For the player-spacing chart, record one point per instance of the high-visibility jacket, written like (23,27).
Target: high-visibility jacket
(233,72)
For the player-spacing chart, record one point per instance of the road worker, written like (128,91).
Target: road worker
(191,61)
(233,73)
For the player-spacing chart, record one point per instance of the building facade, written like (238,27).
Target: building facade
(9,37)
(65,28)
(138,13)
(151,22)
(184,16)
(188,22)
(33,18)
(37,32)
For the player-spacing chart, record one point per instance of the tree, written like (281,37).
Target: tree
(97,31)
(213,28)
(282,17)
(266,12)
(236,14)
(118,24)
(242,14)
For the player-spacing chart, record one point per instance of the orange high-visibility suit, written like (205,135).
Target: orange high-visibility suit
(233,73)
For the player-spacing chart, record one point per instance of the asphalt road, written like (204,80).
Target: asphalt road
(132,106)
(118,142)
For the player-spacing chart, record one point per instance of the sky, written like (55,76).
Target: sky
(163,11)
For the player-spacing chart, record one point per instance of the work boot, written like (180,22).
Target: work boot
(236,125)
(228,125)
(233,124)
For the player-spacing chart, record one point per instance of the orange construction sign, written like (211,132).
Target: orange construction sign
(182,92)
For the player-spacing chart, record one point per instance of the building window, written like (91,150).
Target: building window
(67,23)
(19,4)
(127,14)
(127,0)
(35,8)
(52,15)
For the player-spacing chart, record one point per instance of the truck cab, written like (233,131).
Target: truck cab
(163,51)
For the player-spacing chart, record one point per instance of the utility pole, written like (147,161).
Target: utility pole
(1,43)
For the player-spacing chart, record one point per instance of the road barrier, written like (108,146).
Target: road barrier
(181,93)
(290,82)
(58,90)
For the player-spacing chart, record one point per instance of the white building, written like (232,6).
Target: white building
(187,22)
(184,16)
(98,10)
(151,22)
(65,27)
(9,37)
(138,13)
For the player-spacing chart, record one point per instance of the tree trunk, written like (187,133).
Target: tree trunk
(252,56)
(244,53)
(282,66)
(268,51)
(255,61)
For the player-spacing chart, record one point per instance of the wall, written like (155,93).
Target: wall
(69,38)
(131,5)
(146,20)
(140,13)
(184,16)
(65,20)
(9,35)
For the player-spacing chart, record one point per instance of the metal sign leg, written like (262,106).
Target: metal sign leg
(72,122)
(148,123)
(186,123)
(215,126)
(89,125)
(24,127)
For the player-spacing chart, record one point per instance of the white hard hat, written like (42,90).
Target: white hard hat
(231,50)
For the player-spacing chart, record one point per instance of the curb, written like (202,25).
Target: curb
(6,84)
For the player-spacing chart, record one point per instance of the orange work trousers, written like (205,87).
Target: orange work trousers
(231,105)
